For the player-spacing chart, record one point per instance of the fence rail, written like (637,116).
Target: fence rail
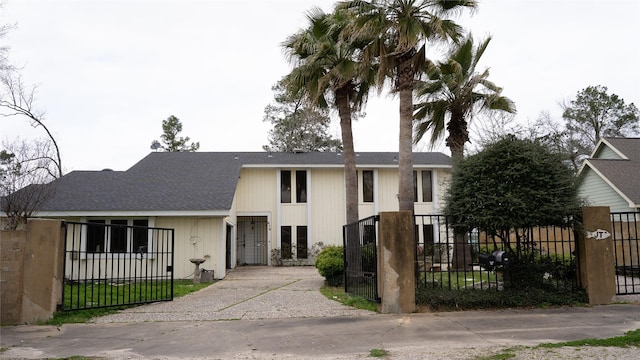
(626,246)
(360,256)
(110,264)
(541,256)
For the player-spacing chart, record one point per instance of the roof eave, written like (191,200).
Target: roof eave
(134,213)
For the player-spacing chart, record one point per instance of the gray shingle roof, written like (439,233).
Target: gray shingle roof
(191,181)
(623,174)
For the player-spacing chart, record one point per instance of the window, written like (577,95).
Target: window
(285,237)
(118,243)
(427,231)
(427,192)
(117,236)
(369,235)
(427,189)
(367,185)
(140,236)
(415,186)
(95,236)
(301,186)
(301,242)
(285,186)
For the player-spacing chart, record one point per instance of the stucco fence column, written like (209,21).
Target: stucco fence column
(596,262)
(396,263)
(31,273)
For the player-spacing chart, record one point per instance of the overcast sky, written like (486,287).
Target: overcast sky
(109,72)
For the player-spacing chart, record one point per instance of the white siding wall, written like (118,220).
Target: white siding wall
(597,192)
(328,211)
(606,153)
(443,182)
(387,194)
(196,238)
(324,212)
(256,191)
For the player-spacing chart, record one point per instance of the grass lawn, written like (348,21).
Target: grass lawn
(338,294)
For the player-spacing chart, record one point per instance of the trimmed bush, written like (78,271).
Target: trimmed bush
(330,264)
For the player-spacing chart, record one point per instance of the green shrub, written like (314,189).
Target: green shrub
(442,299)
(330,264)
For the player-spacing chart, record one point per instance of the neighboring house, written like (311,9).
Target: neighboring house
(237,208)
(611,176)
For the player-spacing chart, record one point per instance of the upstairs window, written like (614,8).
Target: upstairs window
(285,186)
(286,180)
(426,189)
(367,185)
(301,186)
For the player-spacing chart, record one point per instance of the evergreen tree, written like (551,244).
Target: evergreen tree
(297,125)
(171,127)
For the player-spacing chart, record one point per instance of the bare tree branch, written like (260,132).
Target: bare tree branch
(27,169)
(19,101)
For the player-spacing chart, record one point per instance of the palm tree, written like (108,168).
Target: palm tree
(326,71)
(400,30)
(452,92)
(455,90)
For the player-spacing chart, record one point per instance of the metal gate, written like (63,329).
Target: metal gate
(360,258)
(111,263)
(626,246)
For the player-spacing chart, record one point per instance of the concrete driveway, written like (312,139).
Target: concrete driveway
(247,293)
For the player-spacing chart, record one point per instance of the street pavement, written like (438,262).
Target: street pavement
(278,313)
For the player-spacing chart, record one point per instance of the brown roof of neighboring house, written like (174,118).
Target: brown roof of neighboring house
(622,173)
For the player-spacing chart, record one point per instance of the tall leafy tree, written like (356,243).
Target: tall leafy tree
(453,92)
(326,70)
(297,124)
(505,190)
(511,184)
(595,113)
(171,127)
(400,30)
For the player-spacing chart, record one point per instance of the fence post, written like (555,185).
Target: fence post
(34,264)
(595,255)
(396,256)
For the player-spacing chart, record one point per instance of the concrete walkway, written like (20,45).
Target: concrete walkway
(277,313)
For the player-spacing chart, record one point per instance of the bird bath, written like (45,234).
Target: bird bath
(196,273)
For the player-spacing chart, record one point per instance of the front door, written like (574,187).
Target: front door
(252,240)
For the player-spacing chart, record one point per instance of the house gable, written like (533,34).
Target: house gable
(616,162)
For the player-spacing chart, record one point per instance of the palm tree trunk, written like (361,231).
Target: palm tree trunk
(405,142)
(350,172)
(353,246)
(458,136)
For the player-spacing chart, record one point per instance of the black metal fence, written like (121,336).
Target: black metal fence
(360,258)
(541,256)
(626,245)
(115,264)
